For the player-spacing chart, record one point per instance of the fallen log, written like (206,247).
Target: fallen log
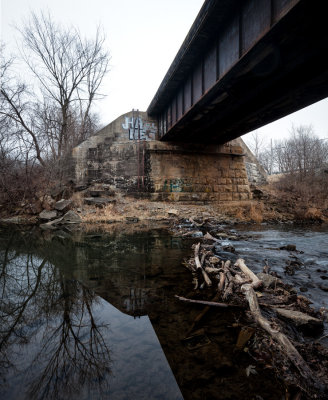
(208,236)
(212,270)
(199,266)
(256,282)
(279,337)
(207,303)
(228,291)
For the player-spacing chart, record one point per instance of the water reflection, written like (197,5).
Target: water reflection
(51,343)
(93,316)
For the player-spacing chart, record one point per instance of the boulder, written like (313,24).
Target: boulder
(268,280)
(71,217)
(98,201)
(48,215)
(63,205)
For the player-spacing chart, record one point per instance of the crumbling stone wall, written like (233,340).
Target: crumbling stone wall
(160,170)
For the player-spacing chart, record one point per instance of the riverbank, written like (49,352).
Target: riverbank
(269,205)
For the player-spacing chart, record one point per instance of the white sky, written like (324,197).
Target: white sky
(143,36)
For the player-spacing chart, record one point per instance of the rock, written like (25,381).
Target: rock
(289,247)
(71,218)
(228,248)
(97,193)
(301,320)
(57,191)
(324,287)
(80,188)
(48,215)
(51,225)
(132,219)
(268,280)
(98,201)
(63,205)
(173,211)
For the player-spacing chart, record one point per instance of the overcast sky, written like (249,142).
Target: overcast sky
(143,36)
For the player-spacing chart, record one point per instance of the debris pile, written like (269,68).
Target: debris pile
(281,319)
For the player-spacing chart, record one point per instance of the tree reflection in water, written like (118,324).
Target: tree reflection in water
(49,318)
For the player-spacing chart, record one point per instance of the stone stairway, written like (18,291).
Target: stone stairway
(99,195)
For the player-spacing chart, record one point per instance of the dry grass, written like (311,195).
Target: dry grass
(247,211)
(256,212)
(105,214)
(77,199)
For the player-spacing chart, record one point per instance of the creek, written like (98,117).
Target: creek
(92,315)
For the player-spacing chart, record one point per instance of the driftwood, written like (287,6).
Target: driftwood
(212,270)
(222,280)
(199,266)
(208,236)
(282,339)
(256,282)
(195,223)
(238,281)
(204,302)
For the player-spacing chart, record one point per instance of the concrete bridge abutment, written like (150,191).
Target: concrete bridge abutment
(126,155)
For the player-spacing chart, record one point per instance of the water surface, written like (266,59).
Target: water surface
(93,316)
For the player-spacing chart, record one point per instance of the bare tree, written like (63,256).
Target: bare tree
(68,71)
(257,143)
(303,154)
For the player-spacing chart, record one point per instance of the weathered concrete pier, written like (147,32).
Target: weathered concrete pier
(126,155)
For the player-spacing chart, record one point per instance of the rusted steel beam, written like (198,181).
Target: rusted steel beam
(268,54)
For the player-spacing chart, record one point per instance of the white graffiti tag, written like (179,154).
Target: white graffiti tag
(136,127)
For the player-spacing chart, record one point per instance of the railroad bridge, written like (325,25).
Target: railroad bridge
(243,64)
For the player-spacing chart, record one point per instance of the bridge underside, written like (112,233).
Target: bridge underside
(286,70)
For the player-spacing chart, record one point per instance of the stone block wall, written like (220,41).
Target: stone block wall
(158,170)
(197,172)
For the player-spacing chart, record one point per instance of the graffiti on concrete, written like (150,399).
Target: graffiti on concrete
(136,127)
(176,185)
